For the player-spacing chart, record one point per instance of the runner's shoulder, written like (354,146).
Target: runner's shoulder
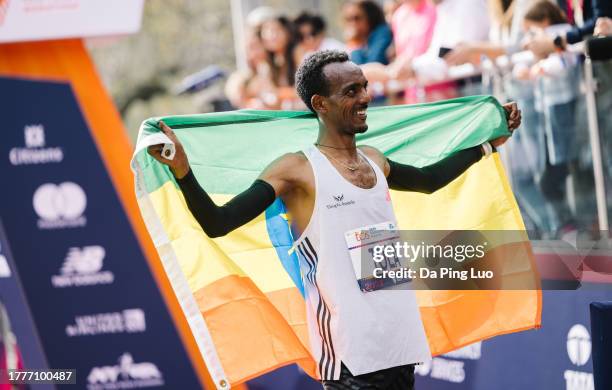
(374,154)
(289,166)
(292,161)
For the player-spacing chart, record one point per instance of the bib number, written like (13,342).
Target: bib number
(372,265)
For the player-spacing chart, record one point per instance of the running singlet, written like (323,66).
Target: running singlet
(367,331)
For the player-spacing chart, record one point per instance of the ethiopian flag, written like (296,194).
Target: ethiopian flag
(242,294)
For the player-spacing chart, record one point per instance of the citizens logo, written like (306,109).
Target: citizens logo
(35,151)
(339,202)
(5,270)
(127,321)
(125,375)
(83,267)
(60,206)
(579,352)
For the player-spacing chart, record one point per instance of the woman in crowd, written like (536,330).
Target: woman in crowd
(366,32)
(279,39)
(243,87)
(554,80)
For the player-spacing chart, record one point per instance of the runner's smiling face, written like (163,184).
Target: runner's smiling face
(348,97)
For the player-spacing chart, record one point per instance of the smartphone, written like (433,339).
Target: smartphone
(444,51)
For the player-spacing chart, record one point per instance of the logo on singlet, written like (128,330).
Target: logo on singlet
(339,202)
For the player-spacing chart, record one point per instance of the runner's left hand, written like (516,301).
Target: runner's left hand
(513,116)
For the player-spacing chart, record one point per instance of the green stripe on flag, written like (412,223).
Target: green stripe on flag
(227,150)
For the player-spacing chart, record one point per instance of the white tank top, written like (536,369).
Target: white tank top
(367,331)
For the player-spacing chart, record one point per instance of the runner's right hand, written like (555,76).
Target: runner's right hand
(179,165)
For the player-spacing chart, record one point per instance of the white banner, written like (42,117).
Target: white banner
(33,20)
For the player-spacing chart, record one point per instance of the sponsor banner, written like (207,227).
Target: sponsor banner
(92,296)
(32,20)
(60,206)
(35,151)
(83,266)
(21,344)
(127,321)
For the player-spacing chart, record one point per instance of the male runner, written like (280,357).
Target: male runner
(359,339)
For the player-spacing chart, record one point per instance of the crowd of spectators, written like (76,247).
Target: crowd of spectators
(427,50)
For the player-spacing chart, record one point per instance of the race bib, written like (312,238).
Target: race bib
(374,268)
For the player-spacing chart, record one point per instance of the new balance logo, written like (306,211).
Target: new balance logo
(83,267)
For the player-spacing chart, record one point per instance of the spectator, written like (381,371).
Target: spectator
(311,31)
(505,35)
(544,45)
(555,79)
(243,87)
(413,25)
(279,39)
(450,29)
(525,162)
(367,34)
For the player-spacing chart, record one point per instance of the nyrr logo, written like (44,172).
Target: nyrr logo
(579,352)
(60,206)
(35,151)
(82,267)
(127,321)
(125,375)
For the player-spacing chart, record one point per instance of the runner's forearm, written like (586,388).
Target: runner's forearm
(432,177)
(217,221)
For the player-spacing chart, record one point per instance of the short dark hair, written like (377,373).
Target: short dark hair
(315,21)
(309,78)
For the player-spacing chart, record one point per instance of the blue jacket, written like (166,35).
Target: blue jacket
(376,48)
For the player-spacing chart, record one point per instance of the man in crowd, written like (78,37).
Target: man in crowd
(359,339)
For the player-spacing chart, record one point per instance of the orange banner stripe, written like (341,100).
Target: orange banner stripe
(68,61)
